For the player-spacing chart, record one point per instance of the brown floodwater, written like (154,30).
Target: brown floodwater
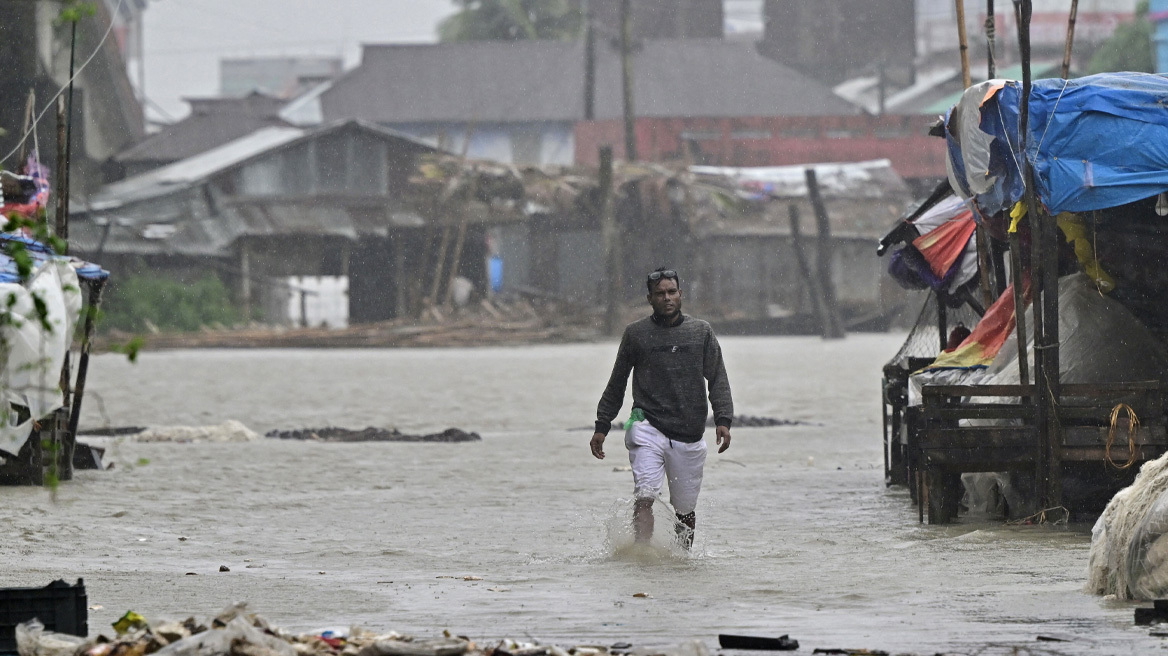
(797,533)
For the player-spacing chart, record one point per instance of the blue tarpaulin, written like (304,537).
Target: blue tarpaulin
(41,252)
(1095,142)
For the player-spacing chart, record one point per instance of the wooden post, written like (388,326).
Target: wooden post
(835,327)
(942,319)
(439,267)
(1044,292)
(245,279)
(455,261)
(1019,307)
(819,308)
(1070,38)
(95,291)
(991,62)
(399,275)
(626,37)
(963,43)
(611,237)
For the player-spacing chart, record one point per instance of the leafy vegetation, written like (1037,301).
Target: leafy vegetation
(1130,48)
(141,303)
(512,20)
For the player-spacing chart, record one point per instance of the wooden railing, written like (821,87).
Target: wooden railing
(990,428)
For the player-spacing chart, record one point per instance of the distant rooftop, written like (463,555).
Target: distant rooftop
(526,81)
(212,122)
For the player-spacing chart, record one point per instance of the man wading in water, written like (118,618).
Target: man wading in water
(671,357)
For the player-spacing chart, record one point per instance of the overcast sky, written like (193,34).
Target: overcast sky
(186,38)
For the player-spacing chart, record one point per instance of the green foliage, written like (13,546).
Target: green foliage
(143,302)
(512,20)
(73,11)
(1130,48)
(130,349)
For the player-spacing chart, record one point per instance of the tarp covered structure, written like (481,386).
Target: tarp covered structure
(34,350)
(1095,142)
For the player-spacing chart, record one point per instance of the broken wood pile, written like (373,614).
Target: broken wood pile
(520,321)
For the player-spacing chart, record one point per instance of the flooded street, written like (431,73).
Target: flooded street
(796,531)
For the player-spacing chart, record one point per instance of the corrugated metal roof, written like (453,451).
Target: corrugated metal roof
(528,81)
(212,122)
(187,171)
(191,170)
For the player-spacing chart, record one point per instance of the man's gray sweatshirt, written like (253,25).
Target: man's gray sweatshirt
(670,365)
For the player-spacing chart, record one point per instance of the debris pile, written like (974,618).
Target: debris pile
(372,434)
(237,632)
(525,319)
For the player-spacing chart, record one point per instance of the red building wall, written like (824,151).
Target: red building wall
(774,141)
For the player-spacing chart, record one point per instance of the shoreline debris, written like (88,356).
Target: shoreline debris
(372,434)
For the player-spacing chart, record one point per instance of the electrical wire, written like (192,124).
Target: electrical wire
(32,128)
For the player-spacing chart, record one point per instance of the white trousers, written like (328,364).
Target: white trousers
(656,459)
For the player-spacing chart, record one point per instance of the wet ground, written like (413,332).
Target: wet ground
(797,533)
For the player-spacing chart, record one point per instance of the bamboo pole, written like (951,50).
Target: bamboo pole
(991,32)
(963,43)
(1074,15)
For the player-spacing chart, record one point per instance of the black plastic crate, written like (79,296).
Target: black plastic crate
(59,606)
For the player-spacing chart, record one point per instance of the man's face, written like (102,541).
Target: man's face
(665,297)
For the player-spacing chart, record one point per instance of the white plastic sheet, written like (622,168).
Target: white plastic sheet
(33,355)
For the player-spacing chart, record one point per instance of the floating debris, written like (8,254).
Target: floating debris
(372,434)
(238,632)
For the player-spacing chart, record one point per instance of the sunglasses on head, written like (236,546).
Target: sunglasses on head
(658,275)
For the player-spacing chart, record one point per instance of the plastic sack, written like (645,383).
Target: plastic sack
(237,633)
(393,646)
(33,640)
(1126,559)
(1147,553)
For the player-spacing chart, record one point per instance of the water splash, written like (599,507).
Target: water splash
(620,545)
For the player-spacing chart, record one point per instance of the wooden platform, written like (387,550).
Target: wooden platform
(992,428)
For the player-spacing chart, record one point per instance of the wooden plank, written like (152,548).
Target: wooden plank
(1119,453)
(1102,389)
(986,412)
(978,437)
(976,390)
(983,460)
(1097,436)
(1069,389)
(978,411)
(1071,415)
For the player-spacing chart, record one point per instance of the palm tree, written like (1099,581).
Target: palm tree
(513,20)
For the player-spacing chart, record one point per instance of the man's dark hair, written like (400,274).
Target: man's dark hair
(652,280)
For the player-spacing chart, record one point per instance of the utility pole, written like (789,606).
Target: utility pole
(589,65)
(626,37)
(610,233)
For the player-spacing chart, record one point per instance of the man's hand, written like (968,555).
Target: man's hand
(723,438)
(597,445)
